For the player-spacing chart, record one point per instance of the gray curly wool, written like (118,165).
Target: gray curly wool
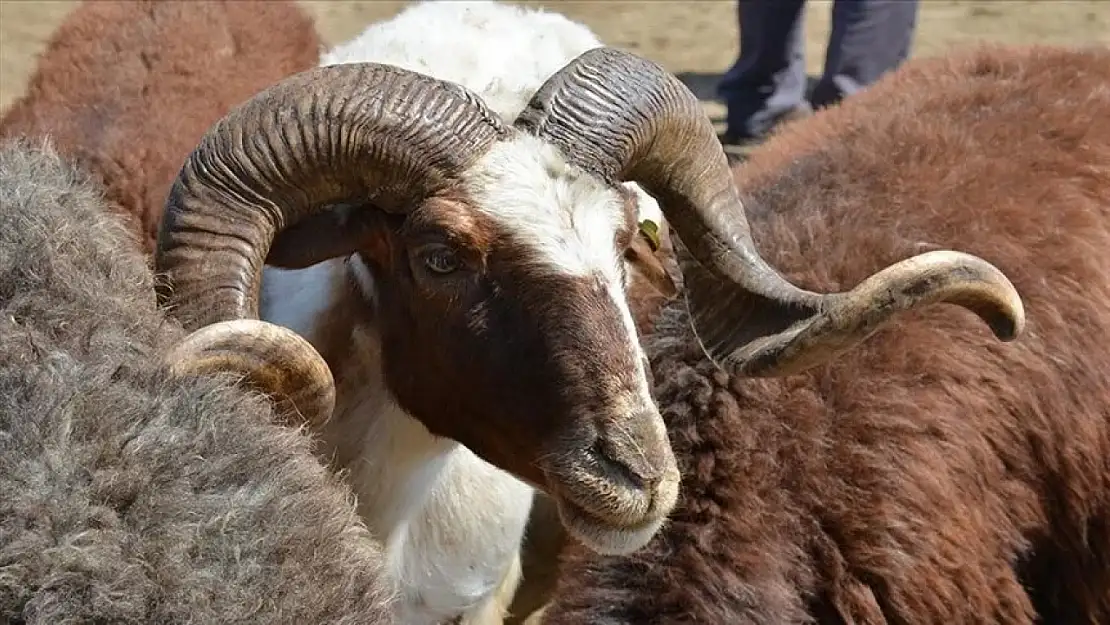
(126,497)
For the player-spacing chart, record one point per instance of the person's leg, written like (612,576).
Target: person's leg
(868,39)
(768,80)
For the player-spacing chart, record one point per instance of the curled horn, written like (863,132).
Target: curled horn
(337,136)
(268,357)
(623,118)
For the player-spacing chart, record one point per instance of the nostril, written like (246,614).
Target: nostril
(631,471)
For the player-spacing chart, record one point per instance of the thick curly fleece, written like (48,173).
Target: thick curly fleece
(932,476)
(128,498)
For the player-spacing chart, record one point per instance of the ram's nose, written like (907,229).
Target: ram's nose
(615,489)
(637,448)
(627,474)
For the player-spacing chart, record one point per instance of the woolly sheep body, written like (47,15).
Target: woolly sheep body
(499,51)
(126,497)
(128,88)
(932,475)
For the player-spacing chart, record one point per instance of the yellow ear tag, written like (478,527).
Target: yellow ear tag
(650,230)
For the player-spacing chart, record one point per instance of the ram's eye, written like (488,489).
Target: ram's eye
(441,260)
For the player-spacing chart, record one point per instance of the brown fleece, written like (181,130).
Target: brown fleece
(128,88)
(933,475)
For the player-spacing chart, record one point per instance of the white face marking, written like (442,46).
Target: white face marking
(567,216)
(646,206)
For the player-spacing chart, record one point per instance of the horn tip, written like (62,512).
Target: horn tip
(1008,324)
(267,357)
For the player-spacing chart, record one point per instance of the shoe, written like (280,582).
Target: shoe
(739,145)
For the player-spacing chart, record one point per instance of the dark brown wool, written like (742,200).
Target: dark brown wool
(932,475)
(129,87)
(128,498)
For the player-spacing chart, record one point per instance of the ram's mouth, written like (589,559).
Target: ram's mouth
(606,509)
(604,536)
(615,493)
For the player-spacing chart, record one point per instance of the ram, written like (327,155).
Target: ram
(458,267)
(932,476)
(456,546)
(127,494)
(128,88)
(133,127)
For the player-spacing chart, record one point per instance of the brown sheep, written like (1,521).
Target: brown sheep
(132,118)
(933,475)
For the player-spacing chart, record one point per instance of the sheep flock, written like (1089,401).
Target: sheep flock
(402,331)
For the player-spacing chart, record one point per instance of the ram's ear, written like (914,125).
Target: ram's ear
(328,234)
(645,257)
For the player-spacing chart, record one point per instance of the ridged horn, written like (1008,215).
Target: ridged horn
(271,359)
(623,117)
(354,134)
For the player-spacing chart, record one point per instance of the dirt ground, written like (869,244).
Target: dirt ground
(696,38)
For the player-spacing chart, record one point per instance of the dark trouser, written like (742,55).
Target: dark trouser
(868,39)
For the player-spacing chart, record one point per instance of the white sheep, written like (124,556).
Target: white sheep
(461,269)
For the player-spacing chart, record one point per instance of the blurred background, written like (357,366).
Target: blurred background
(696,39)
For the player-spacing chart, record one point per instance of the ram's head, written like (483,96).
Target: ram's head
(496,257)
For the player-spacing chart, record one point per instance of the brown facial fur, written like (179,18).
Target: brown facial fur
(545,536)
(130,103)
(500,342)
(654,279)
(932,475)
